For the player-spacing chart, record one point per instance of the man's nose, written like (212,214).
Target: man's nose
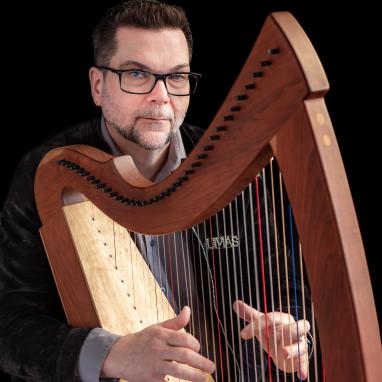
(159,92)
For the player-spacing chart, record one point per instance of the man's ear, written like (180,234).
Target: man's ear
(96,83)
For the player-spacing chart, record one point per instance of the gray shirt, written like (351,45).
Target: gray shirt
(99,341)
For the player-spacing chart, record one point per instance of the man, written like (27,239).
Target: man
(142,81)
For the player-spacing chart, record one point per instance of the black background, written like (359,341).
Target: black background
(47,52)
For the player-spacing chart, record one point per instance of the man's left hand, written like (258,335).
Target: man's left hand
(287,342)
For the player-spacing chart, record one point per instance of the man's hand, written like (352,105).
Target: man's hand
(287,338)
(157,351)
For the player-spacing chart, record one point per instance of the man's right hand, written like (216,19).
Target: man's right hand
(157,351)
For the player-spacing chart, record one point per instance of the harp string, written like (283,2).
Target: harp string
(230,299)
(286,271)
(245,230)
(276,247)
(184,270)
(214,292)
(263,281)
(303,297)
(152,291)
(162,258)
(204,340)
(170,258)
(269,252)
(241,283)
(231,255)
(162,275)
(200,317)
(284,221)
(192,289)
(256,273)
(209,325)
(292,246)
(176,268)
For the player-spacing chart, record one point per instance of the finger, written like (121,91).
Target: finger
(246,312)
(249,331)
(303,368)
(185,372)
(296,330)
(280,318)
(296,350)
(190,358)
(184,340)
(257,329)
(178,322)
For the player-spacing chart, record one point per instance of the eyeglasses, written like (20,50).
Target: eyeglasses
(137,81)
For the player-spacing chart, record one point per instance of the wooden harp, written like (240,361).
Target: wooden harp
(274,109)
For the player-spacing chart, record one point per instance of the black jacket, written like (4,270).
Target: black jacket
(36,343)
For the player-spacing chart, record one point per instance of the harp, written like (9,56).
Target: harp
(275,109)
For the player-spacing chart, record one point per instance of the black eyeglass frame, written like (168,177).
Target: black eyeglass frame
(158,76)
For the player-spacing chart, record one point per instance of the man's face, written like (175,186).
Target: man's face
(149,120)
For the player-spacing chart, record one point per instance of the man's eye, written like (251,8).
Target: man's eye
(177,77)
(137,74)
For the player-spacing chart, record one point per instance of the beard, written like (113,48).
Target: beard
(153,138)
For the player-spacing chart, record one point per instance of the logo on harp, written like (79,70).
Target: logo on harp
(225,242)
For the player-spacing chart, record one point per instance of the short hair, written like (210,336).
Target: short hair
(145,14)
